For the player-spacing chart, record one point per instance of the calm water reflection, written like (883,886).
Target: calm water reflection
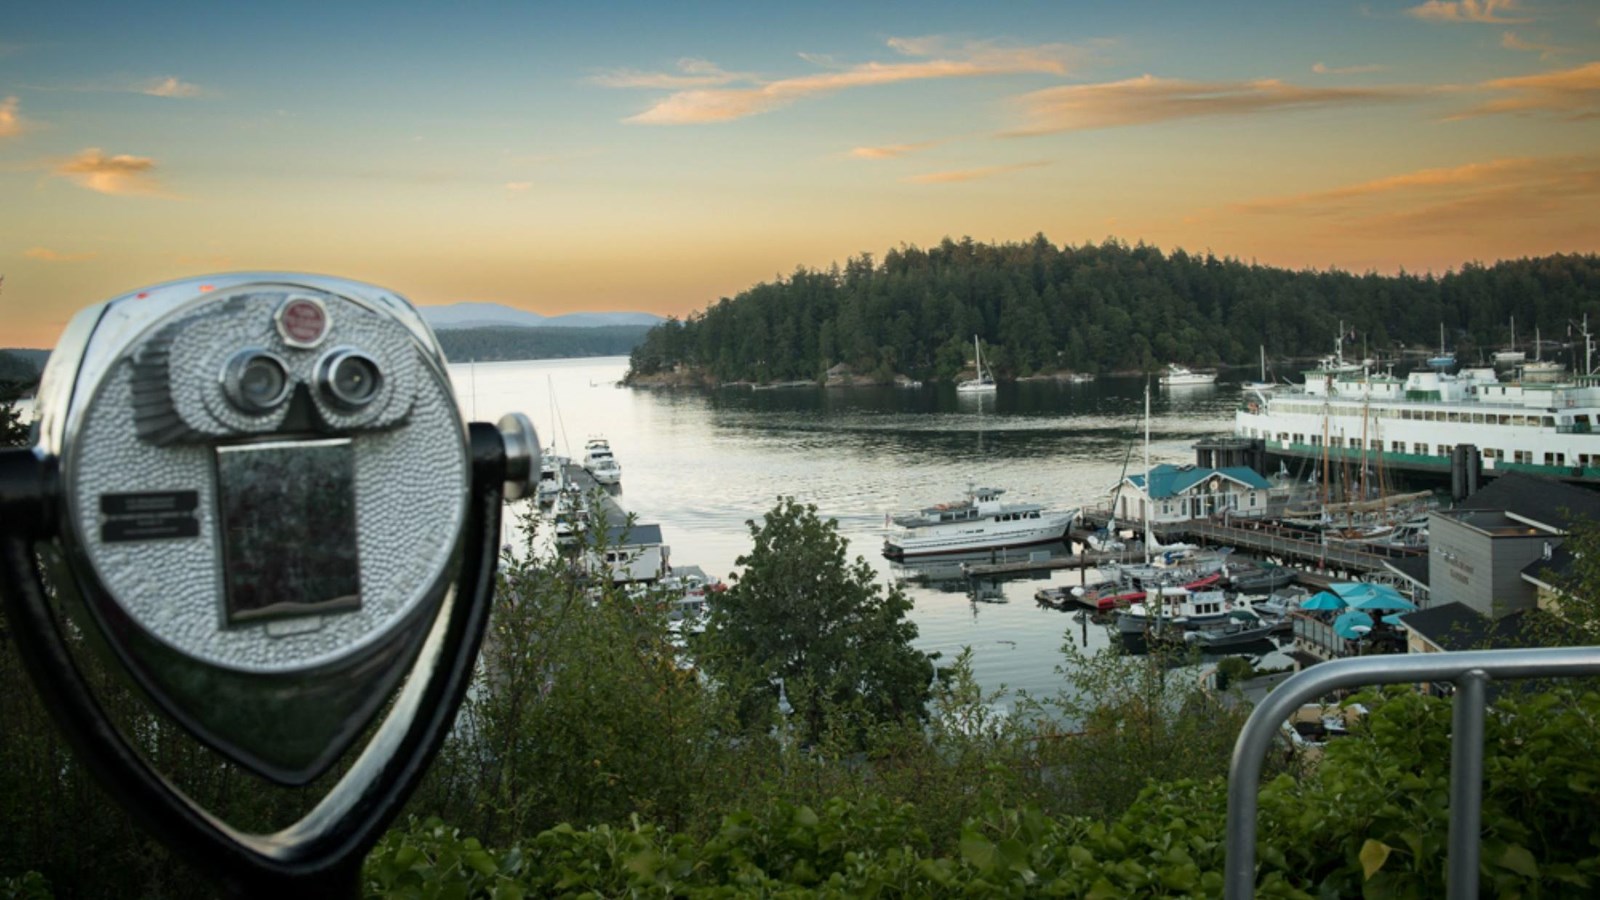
(702,463)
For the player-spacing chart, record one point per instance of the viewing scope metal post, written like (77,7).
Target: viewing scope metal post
(257,498)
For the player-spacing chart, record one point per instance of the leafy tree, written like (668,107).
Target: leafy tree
(803,621)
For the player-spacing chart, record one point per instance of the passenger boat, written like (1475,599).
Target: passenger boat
(984,382)
(1415,423)
(978,521)
(1182,376)
(600,463)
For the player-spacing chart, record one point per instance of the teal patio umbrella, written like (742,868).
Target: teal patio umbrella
(1383,598)
(1353,625)
(1323,600)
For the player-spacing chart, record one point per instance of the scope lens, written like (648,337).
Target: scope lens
(350,380)
(256,381)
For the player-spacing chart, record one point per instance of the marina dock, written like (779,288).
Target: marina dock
(1288,545)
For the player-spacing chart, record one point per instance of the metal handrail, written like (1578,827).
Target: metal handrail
(1470,671)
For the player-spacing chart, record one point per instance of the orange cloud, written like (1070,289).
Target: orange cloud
(1322,69)
(1510,41)
(1471,173)
(1148,100)
(1456,200)
(958,175)
(704,104)
(45,254)
(1573,92)
(1482,11)
(518,187)
(11,122)
(120,175)
(891,151)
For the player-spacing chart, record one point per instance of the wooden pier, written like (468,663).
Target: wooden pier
(1088,559)
(1291,546)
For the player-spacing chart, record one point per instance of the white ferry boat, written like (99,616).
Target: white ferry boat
(1415,423)
(1180,376)
(599,462)
(978,521)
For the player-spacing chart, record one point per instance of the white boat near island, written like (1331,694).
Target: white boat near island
(978,521)
(984,382)
(1182,376)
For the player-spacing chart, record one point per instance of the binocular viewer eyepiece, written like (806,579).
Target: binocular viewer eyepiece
(263,504)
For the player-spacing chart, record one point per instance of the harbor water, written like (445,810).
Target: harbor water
(703,463)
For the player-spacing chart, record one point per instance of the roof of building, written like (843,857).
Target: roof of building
(1542,502)
(1456,626)
(1411,568)
(1552,571)
(1167,480)
(633,535)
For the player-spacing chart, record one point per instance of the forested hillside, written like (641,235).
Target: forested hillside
(1099,308)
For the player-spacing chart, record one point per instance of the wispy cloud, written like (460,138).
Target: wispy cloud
(518,187)
(45,254)
(120,175)
(11,121)
(1571,93)
(169,86)
(892,151)
(1458,199)
(1490,12)
(933,58)
(1510,41)
(1147,100)
(1324,69)
(692,73)
(958,175)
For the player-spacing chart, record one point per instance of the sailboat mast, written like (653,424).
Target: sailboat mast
(1149,495)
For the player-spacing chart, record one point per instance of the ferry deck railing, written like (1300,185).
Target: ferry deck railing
(1470,672)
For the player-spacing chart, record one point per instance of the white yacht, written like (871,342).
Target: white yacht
(977,522)
(1180,376)
(552,475)
(984,382)
(600,463)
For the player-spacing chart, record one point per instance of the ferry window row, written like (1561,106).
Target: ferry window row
(1435,415)
(1582,460)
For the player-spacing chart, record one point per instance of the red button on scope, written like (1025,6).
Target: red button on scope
(302,322)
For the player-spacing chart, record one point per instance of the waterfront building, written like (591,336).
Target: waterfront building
(1186,493)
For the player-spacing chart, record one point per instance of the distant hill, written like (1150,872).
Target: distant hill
(17,364)
(495,315)
(503,343)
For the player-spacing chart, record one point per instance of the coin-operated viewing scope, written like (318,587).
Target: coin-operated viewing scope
(257,496)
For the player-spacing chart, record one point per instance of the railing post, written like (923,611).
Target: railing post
(1466,784)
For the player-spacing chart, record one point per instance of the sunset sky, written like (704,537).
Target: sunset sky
(617,156)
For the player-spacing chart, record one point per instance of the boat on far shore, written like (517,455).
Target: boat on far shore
(1183,376)
(984,382)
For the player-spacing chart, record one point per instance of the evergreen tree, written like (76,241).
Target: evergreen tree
(804,621)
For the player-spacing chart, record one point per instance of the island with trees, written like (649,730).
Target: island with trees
(1095,308)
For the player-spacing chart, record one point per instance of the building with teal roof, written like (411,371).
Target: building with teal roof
(1186,493)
